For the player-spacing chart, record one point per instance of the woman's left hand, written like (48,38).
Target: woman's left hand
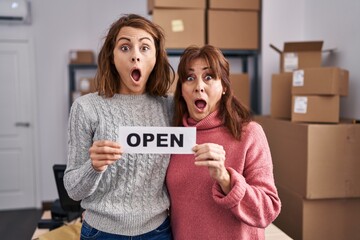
(212,156)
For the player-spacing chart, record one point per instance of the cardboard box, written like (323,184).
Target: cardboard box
(298,55)
(198,4)
(281,95)
(321,81)
(240,84)
(183,27)
(316,161)
(315,108)
(81,57)
(235,4)
(173,85)
(86,85)
(330,219)
(233,29)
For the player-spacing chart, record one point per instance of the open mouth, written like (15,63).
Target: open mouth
(200,104)
(136,74)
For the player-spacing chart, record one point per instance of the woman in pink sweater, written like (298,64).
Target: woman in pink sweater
(225,190)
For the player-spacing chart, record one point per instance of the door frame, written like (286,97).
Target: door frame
(33,114)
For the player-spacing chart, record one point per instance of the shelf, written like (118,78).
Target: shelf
(72,80)
(244,55)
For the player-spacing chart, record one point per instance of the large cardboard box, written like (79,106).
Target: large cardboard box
(281,95)
(321,81)
(315,108)
(198,4)
(235,4)
(183,27)
(298,55)
(330,219)
(315,160)
(233,29)
(240,84)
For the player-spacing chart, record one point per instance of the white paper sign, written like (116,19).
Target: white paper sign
(166,140)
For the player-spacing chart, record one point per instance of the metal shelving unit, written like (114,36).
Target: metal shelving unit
(72,76)
(244,55)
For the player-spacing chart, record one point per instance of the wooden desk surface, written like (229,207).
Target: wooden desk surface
(272,232)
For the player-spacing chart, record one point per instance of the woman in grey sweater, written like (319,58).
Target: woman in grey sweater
(123,194)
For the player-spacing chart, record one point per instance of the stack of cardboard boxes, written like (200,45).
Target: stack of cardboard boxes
(315,155)
(227,24)
(304,90)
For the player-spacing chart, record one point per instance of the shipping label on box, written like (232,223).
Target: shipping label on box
(291,62)
(300,104)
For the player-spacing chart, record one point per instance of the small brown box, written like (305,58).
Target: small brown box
(183,27)
(171,4)
(298,55)
(81,57)
(233,29)
(240,84)
(321,81)
(315,108)
(281,95)
(235,4)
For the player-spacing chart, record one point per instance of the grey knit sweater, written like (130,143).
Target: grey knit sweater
(129,197)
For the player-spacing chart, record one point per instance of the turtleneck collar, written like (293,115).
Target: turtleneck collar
(210,121)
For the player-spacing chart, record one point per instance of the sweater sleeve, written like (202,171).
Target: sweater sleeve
(253,198)
(80,179)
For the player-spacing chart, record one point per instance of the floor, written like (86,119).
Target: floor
(19,224)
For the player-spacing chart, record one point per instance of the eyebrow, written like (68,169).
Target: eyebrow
(204,68)
(129,40)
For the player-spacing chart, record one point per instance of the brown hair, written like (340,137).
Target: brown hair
(107,78)
(231,111)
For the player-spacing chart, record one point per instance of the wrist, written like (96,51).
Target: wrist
(225,182)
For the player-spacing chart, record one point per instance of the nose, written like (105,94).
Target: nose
(199,87)
(135,59)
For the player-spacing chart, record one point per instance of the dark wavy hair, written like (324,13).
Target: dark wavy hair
(107,79)
(231,111)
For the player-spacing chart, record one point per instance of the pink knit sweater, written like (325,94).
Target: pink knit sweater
(200,210)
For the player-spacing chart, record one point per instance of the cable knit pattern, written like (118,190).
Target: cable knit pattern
(199,208)
(129,197)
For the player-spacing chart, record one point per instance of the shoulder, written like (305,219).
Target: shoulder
(87,98)
(254,131)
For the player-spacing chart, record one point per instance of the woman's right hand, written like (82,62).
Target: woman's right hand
(104,153)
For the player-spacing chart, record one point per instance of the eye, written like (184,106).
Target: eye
(125,48)
(208,77)
(145,48)
(190,78)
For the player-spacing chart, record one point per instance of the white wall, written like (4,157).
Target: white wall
(56,28)
(339,27)
(334,21)
(59,26)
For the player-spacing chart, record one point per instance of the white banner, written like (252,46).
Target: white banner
(166,140)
